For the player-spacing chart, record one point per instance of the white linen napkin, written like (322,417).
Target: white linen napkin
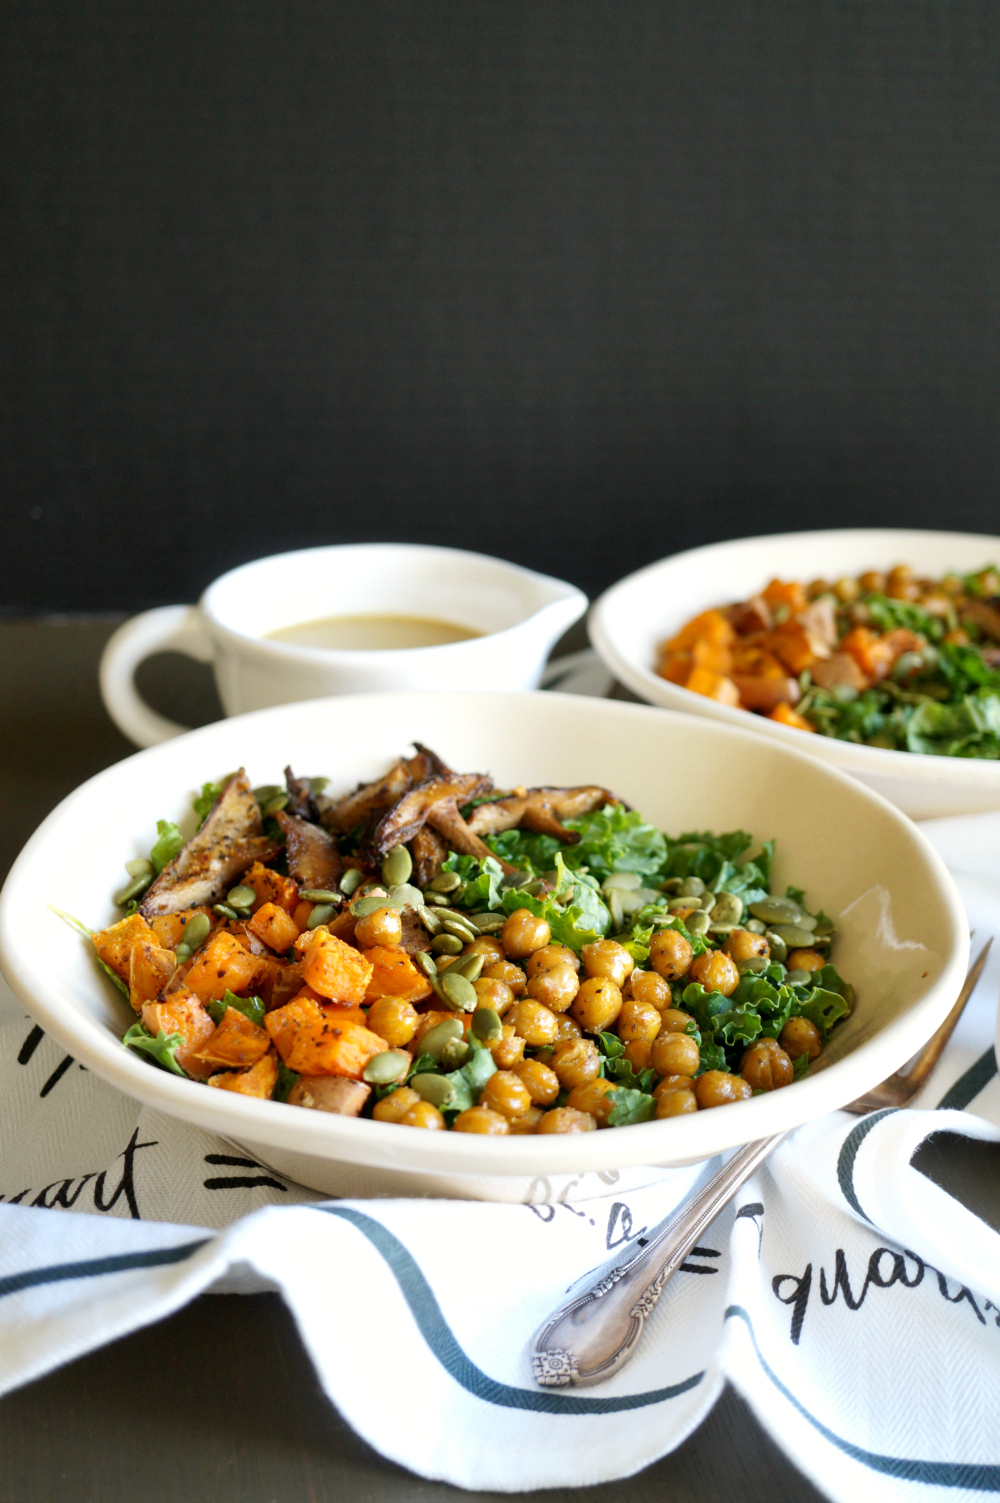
(852,1302)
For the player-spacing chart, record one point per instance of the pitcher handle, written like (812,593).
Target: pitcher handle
(176,628)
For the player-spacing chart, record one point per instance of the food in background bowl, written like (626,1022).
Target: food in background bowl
(884,659)
(430,951)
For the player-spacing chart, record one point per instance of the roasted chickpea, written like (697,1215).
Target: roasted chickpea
(766,1066)
(505,1093)
(556,987)
(523,934)
(608,958)
(636,1052)
(541,1083)
(597,1004)
(510,975)
(495,994)
(673,1083)
(569,1028)
(383,927)
(638,1020)
(393,1020)
(489,948)
(674,1054)
(394,1107)
(481,1119)
(597,1097)
(873,580)
(508,1049)
(715,972)
(675,1020)
(744,945)
(551,956)
(423,1115)
(900,583)
(527,1122)
(565,1119)
(675,1103)
(670,954)
(846,590)
(647,986)
(576,1062)
(534,1023)
(716,1088)
(805,960)
(799,1036)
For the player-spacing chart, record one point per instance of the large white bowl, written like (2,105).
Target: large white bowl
(630,619)
(903,935)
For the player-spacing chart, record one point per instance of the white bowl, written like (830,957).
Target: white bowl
(903,936)
(630,619)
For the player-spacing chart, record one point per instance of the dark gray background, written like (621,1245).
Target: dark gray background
(579,282)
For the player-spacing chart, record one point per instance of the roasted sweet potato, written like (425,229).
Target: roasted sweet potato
(395,975)
(150,968)
(710,626)
(223,966)
(183,1014)
(169,927)
(787,716)
(272,887)
(236,1043)
(314,1040)
(791,594)
(115,945)
(331,967)
(713,686)
(276,927)
(259,1081)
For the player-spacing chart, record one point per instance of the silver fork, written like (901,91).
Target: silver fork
(593,1335)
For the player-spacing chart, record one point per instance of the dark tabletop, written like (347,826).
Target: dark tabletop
(219,1403)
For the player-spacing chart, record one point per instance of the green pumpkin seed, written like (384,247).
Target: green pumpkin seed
(196,931)
(407,894)
(795,937)
(797,978)
(754,965)
(397,866)
(721,929)
(470,966)
(275,805)
(806,921)
(455,1054)
(387,1068)
(849,995)
(241,897)
(351,880)
(372,902)
(486,1024)
(727,909)
(697,923)
(141,866)
(621,882)
(616,909)
(321,914)
(429,920)
(451,923)
(425,962)
(459,990)
(673,885)
(755,926)
(691,887)
(824,928)
(446,944)
(777,946)
(674,904)
(776,911)
(489,923)
(446,882)
(318,895)
(266,792)
(435,1038)
(133,889)
(434,1088)
(437,899)
(226,912)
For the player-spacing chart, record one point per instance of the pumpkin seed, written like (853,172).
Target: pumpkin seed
(488,923)
(621,882)
(797,978)
(692,887)
(351,880)
(318,895)
(133,889)
(429,920)
(469,966)
(629,902)
(196,931)
(266,792)
(455,1054)
(848,995)
(706,901)
(823,928)
(616,910)
(720,929)
(697,923)
(674,904)
(275,805)
(224,911)
(777,946)
(673,885)
(397,866)
(241,897)
(405,893)
(755,926)
(727,909)
(776,910)
(372,902)
(387,1068)
(459,990)
(446,882)
(437,899)
(434,1088)
(486,1024)
(321,914)
(452,924)
(425,962)
(139,867)
(806,921)
(446,944)
(435,1038)
(795,937)
(754,965)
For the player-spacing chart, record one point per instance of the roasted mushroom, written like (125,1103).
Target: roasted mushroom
(410,813)
(428,851)
(313,856)
(539,809)
(368,799)
(301,802)
(214,859)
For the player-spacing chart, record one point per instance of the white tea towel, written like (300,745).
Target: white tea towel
(853,1303)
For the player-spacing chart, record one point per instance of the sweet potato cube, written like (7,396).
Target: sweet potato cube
(260,1080)
(275,927)
(791,594)
(793,646)
(785,715)
(713,686)
(676,667)
(115,945)
(876,655)
(317,1040)
(222,966)
(395,975)
(333,968)
(709,626)
(330,1093)
(150,968)
(300,916)
(236,1043)
(343,927)
(169,927)
(272,887)
(185,1015)
(711,655)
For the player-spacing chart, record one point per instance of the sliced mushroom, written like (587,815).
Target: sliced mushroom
(428,851)
(539,809)
(762,691)
(330,1093)
(985,616)
(214,859)
(411,812)
(301,802)
(313,855)
(368,799)
(840,668)
(414,937)
(444,816)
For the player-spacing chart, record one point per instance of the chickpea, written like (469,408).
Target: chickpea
(569,1028)
(717,1087)
(608,958)
(481,1119)
(716,972)
(872,580)
(805,960)
(638,1020)
(565,1119)
(597,1004)
(523,934)
(846,590)
(647,986)
(556,987)
(675,1054)
(510,975)
(394,1107)
(495,994)
(489,948)
(670,954)
(508,1049)
(675,1103)
(900,584)
(383,927)
(534,1023)
(743,945)
(424,1115)
(766,1066)
(673,1083)
(596,1097)
(527,1122)
(551,956)
(817,587)
(576,1062)
(506,1094)
(541,1083)
(393,1020)
(799,1036)
(675,1020)
(636,1052)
